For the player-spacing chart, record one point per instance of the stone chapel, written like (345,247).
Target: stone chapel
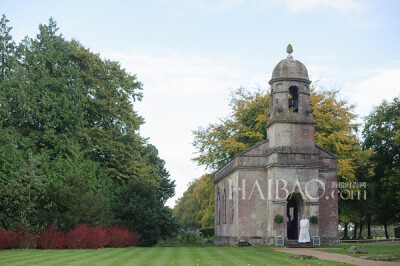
(286,175)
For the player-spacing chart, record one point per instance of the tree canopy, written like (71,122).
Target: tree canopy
(382,139)
(196,207)
(68,124)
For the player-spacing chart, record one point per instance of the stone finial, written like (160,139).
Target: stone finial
(289,50)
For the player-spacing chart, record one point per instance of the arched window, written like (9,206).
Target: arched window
(293,99)
(231,202)
(224,206)
(218,208)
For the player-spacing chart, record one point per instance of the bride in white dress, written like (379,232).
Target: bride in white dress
(304,235)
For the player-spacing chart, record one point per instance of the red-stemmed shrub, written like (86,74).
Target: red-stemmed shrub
(84,236)
(121,237)
(51,238)
(80,237)
(24,239)
(6,239)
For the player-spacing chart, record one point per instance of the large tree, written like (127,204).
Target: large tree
(138,206)
(72,113)
(196,207)
(382,136)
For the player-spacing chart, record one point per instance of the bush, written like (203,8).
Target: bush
(189,236)
(278,219)
(50,238)
(121,237)
(80,237)
(208,241)
(314,219)
(24,239)
(207,231)
(84,236)
(6,239)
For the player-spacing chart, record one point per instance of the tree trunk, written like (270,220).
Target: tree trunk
(361,228)
(355,231)
(386,231)
(346,232)
(369,227)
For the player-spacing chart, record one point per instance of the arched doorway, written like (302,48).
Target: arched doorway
(293,213)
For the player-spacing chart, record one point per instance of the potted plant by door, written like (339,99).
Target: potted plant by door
(279,239)
(314,222)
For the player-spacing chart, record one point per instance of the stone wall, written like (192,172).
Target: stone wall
(235,241)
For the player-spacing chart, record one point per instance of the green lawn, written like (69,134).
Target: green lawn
(154,256)
(373,249)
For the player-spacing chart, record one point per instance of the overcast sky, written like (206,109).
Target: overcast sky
(190,54)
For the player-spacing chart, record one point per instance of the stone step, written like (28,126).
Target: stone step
(295,244)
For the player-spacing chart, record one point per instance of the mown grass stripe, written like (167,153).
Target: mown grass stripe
(265,256)
(119,259)
(161,257)
(174,256)
(158,258)
(142,255)
(195,257)
(240,257)
(170,256)
(76,255)
(188,256)
(100,255)
(224,254)
(207,256)
(245,255)
(5,254)
(82,258)
(52,258)
(212,256)
(30,258)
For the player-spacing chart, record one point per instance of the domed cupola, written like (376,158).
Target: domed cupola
(290,91)
(290,69)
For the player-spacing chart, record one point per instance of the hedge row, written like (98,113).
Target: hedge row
(81,237)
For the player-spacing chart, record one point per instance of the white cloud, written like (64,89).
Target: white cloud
(341,6)
(379,84)
(181,93)
(212,7)
(218,6)
(177,74)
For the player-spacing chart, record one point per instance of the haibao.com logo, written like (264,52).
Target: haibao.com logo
(281,189)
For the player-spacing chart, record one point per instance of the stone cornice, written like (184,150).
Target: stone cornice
(300,92)
(289,79)
(287,120)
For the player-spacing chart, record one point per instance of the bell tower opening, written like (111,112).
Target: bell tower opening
(293,99)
